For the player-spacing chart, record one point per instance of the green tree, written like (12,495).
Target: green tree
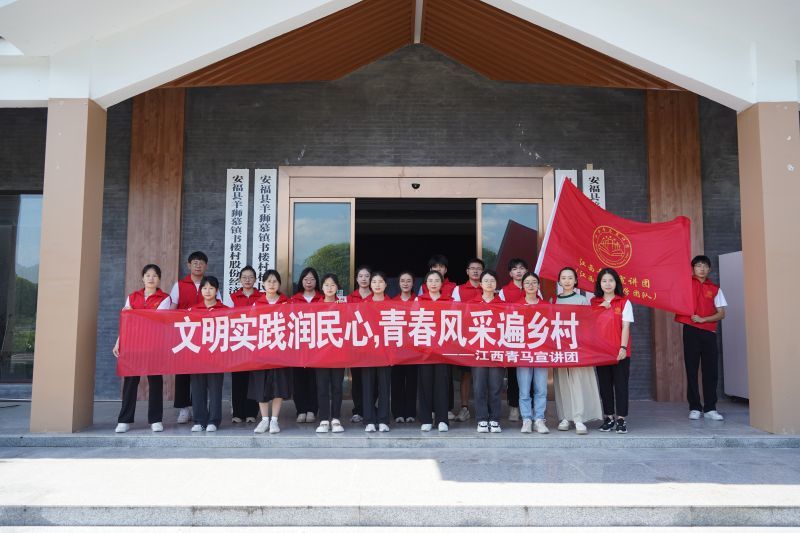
(333,258)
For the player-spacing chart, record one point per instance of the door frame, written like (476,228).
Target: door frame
(345,183)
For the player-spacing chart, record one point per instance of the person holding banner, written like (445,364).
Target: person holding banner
(577,395)
(149,297)
(488,381)
(207,388)
(700,340)
(466,292)
(513,292)
(185,294)
(433,379)
(376,379)
(613,379)
(363,274)
(404,377)
(305,387)
(275,384)
(330,380)
(532,418)
(243,408)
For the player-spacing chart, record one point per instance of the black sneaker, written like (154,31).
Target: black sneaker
(621,427)
(608,424)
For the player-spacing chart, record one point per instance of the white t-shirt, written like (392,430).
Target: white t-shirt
(719,300)
(627,312)
(166,303)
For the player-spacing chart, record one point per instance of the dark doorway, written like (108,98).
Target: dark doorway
(398,234)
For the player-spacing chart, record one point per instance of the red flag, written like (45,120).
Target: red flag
(652,259)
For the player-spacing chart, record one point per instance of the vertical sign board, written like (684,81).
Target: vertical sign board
(561,175)
(236,214)
(265,198)
(594,186)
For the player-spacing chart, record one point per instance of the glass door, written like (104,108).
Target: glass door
(322,234)
(506,229)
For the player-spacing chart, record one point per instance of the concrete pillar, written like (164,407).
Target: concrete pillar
(769,170)
(66,320)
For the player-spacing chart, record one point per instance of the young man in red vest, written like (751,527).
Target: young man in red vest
(185,294)
(700,340)
(466,292)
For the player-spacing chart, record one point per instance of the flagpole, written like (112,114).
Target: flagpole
(540,259)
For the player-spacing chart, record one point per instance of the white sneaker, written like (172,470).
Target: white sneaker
(196,428)
(410,420)
(122,428)
(580,428)
(443,426)
(250,420)
(301,418)
(513,414)
(463,414)
(713,415)
(527,426)
(694,414)
(236,420)
(262,426)
(563,425)
(540,426)
(383,428)
(494,427)
(274,427)
(157,427)
(211,428)
(183,415)
(370,428)
(310,417)
(426,427)
(356,419)
(451,416)
(399,420)
(336,426)
(483,427)
(323,427)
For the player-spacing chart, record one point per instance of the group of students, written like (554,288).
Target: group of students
(412,392)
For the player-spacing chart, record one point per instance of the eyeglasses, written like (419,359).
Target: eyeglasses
(475,269)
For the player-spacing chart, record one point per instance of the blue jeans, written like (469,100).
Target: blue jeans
(539,377)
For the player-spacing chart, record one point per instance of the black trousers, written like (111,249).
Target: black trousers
(377,381)
(357,391)
(404,391)
(242,406)
(433,391)
(305,390)
(329,392)
(207,398)
(613,383)
(512,393)
(155,399)
(700,353)
(183,391)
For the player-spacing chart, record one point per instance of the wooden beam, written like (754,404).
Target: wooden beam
(155,185)
(673,158)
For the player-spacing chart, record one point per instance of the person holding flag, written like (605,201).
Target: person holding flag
(700,340)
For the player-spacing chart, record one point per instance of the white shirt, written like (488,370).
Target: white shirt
(166,303)
(627,312)
(719,300)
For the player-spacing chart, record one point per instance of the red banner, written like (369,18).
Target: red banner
(365,334)
(652,259)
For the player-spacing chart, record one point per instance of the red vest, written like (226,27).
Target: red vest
(512,293)
(137,299)
(298,297)
(199,308)
(467,293)
(262,299)
(427,297)
(355,297)
(617,305)
(188,293)
(704,294)
(447,289)
(240,300)
(399,298)
(479,300)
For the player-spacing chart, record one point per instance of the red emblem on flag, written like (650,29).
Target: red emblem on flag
(612,247)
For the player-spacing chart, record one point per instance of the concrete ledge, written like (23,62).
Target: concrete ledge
(384,516)
(362,441)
